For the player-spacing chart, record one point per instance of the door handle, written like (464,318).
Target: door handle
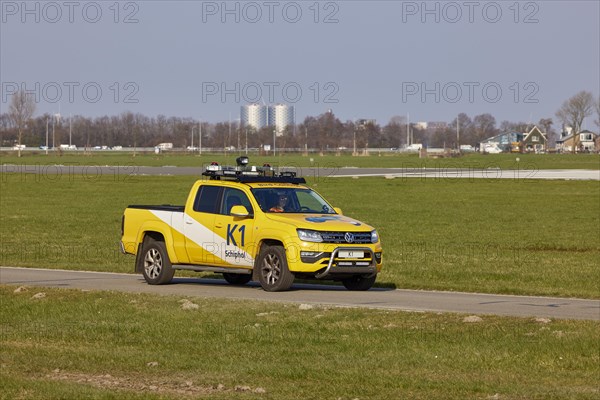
(218,225)
(189,221)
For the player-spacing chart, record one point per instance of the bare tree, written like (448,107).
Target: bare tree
(598,112)
(485,126)
(508,126)
(573,112)
(463,128)
(546,124)
(394,132)
(22,107)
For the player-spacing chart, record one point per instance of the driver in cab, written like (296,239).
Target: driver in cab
(282,202)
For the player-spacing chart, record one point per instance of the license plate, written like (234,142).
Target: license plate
(351,254)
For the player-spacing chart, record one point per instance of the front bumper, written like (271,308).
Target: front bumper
(349,266)
(334,261)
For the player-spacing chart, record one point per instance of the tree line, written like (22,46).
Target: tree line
(325,132)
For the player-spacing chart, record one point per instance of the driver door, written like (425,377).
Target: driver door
(234,234)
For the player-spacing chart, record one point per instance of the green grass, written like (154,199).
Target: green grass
(73,344)
(494,236)
(502,236)
(384,160)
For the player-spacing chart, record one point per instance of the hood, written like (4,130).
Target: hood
(321,222)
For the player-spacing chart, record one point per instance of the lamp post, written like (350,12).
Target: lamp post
(200,137)
(55,118)
(192,145)
(227,137)
(47,135)
(306,139)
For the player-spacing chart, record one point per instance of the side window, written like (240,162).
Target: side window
(207,199)
(234,197)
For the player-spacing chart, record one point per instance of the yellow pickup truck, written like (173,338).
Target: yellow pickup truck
(252,223)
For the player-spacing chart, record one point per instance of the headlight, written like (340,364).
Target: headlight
(309,236)
(374,237)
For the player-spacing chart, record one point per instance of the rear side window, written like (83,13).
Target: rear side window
(234,197)
(207,199)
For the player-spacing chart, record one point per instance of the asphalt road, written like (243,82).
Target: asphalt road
(526,172)
(407,300)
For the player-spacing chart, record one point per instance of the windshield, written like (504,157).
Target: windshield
(291,200)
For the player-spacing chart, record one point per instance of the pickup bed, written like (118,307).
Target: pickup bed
(270,230)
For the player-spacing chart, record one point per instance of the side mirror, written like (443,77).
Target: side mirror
(239,211)
(338,210)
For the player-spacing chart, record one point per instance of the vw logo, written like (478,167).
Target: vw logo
(349,237)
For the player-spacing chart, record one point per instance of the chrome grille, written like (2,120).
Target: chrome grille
(346,237)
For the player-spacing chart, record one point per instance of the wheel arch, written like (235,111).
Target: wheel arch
(261,244)
(158,236)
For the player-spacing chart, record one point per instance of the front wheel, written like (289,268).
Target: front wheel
(359,283)
(156,266)
(273,272)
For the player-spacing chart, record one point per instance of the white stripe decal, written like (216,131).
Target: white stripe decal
(205,238)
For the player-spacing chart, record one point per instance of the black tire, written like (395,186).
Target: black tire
(359,283)
(237,279)
(273,272)
(155,263)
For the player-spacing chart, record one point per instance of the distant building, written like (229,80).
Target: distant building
(280,116)
(165,146)
(504,142)
(366,121)
(585,141)
(532,141)
(434,125)
(254,115)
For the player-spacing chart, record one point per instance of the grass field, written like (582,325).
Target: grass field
(104,345)
(494,236)
(387,160)
(497,236)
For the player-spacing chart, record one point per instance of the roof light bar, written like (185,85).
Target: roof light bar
(248,174)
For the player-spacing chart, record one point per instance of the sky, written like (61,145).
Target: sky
(518,61)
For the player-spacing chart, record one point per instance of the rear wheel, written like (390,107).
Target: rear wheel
(273,272)
(237,279)
(359,283)
(156,266)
